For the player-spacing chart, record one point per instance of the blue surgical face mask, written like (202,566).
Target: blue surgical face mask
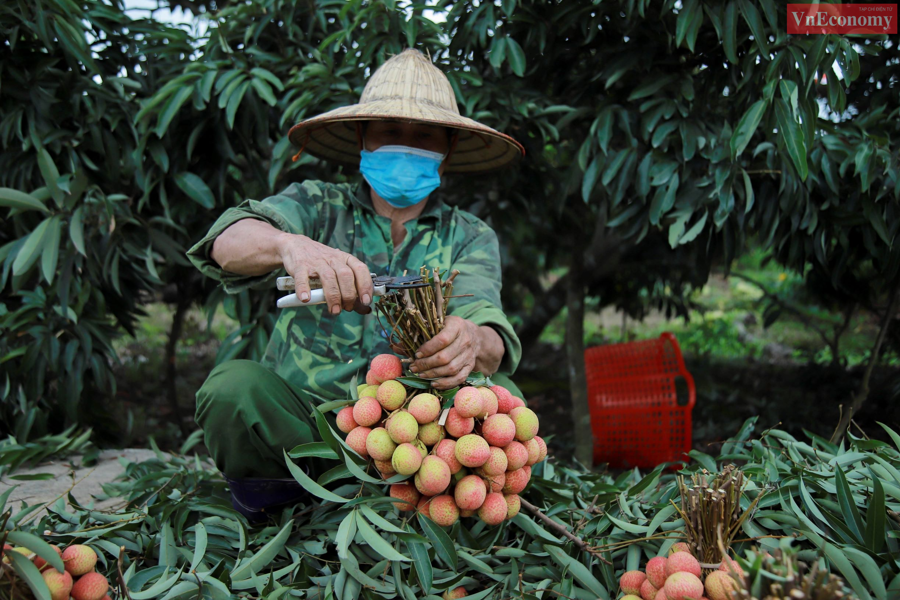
(403,176)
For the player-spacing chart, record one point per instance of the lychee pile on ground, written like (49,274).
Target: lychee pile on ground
(680,577)
(474,464)
(79,580)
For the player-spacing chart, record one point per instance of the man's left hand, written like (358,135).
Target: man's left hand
(450,355)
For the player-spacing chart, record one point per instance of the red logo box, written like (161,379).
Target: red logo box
(842,18)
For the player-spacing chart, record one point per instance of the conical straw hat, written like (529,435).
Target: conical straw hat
(407,87)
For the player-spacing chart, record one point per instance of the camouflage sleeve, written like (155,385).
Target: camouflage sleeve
(478,261)
(294,210)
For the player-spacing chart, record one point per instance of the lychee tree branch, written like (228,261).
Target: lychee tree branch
(560,529)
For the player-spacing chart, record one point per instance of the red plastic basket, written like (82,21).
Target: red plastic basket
(635,415)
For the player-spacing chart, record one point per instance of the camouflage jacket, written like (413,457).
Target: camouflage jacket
(319,352)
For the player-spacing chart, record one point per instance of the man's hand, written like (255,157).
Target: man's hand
(450,355)
(346,281)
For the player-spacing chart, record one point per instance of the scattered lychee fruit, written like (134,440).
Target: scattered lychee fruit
(91,586)
(40,562)
(729,565)
(631,582)
(391,395)
(407,493)
(345,420)
(454,594)
(469,402)
(79,559)
(425,408)
(682,562)
(683,585)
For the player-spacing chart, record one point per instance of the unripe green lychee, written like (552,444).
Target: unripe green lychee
(369,390)
(425,408)
(407,493)
(682,562)
(631,581)
(648,592)
(457,425)
(385,367)
(497,463)
(630,597)
(490,403)
(433,476)
(60,584)
(516,481)
(367,411)
(499,430)
(431,433)
(446,450)
(403,427)
(406,459)
(468,402)
(79,559)
(444,511)
(720,586)
(91,586)
(683,585)
(345,420)
(360,388)
(494,509)
(391,394)
(516,455)
(526,423)
(379,444)
(534,451)
(656,571)
(514,504)
(472,450)
(470,493)
(356,439)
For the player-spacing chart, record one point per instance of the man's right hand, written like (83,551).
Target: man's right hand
(345,279)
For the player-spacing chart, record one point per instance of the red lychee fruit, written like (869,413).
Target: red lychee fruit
(454,594)
(457,425)
(682,562)
(40,562)
(444,511)
(680,547)
(468,402)
(514,504)
(356,439)
(516,455)
(79,559)
(494,509)
(367,411)
(472,450)
(631,581)
(470,493)
(345,420)
(384,367)
(648,592)
(656,571)
(425,408)
(720,585)
(446,450)
(91,586)
(730,565)
(60,584)
(499,430)
(409,494)
(491,405)
(683,585)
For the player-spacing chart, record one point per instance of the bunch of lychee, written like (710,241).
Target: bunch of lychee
(679,577)
(78,580)
(476,462)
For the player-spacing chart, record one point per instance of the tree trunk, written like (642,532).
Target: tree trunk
(863,393)
(171,367)
(581,416)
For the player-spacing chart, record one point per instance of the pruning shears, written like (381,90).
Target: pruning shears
(382,283)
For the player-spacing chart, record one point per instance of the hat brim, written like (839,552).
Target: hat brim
(332,135)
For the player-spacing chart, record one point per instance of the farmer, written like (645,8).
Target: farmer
(404,133)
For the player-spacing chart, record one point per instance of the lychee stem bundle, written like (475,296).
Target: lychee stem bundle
(416,315)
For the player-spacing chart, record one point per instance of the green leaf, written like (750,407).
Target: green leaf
(38,546)
(171,109)
(234,102)
(687,26)
(749,196)
(578,570)
(168,555)
(422,563)
(311,486)
(848,507)
(196,189)
(317,449)
(268,76)
(50,174)
(498,51)
(875,518)
(894,435)
(590,178)
(376,542)
(868,568)
(757,27)
(20,200)
(694,231)
(442,543)
(264,555)
(264,90)
(746,127)
(729,41)
(76,230)
(162,585)
(516,56)
(790,131)
(200,541)
(50,252)
(345,534)
(26,570)
(629,527)
(31,249)
(329,406)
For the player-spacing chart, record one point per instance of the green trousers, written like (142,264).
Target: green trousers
(250,415)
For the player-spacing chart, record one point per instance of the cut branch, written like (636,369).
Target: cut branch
(560,529)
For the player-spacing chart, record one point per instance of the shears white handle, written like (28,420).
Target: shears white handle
(315,296)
